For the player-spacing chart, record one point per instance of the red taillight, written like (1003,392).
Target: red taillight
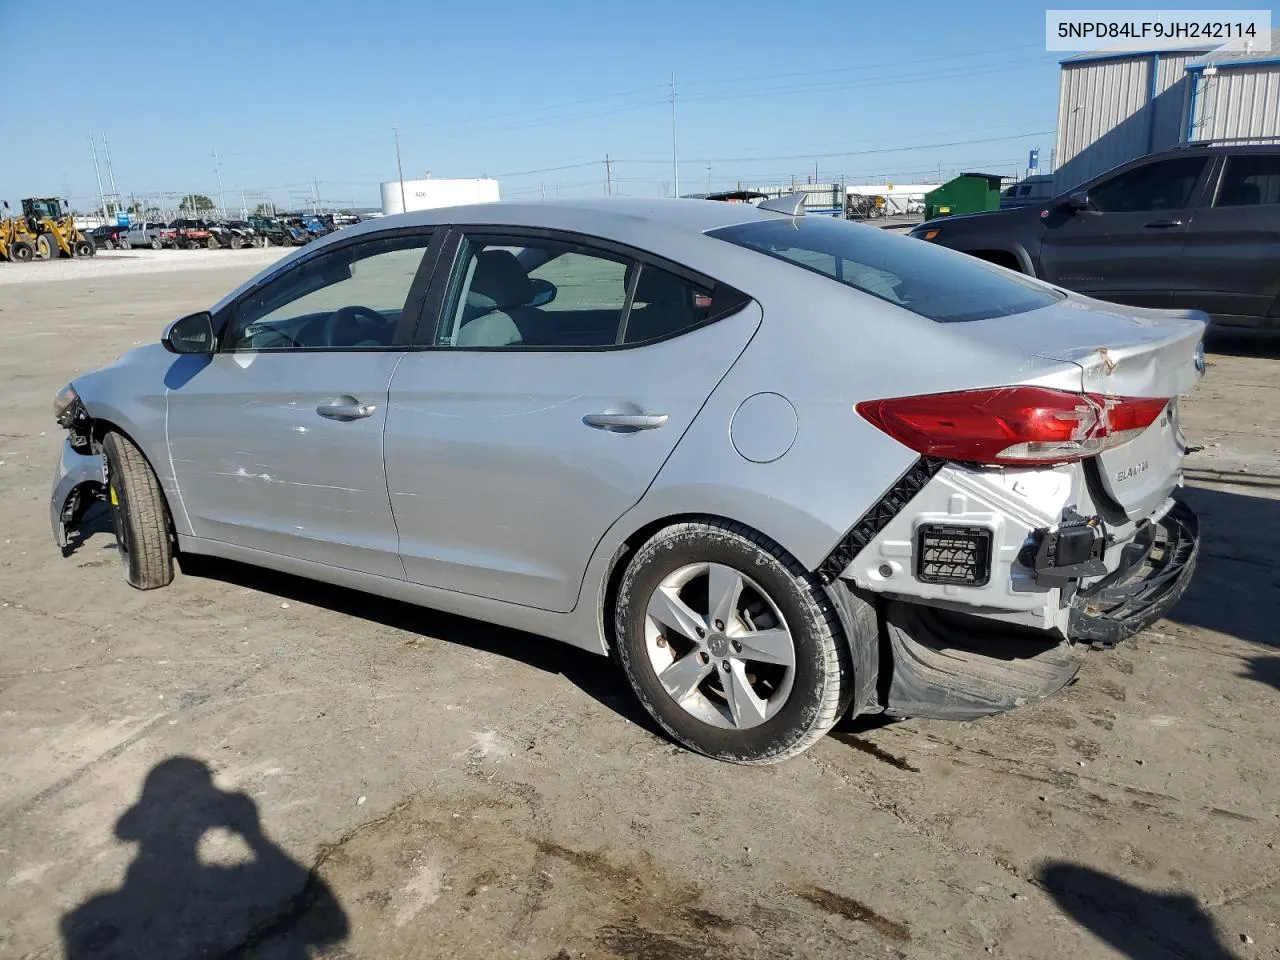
(1010,425)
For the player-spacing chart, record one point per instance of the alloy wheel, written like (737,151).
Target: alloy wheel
(719,645)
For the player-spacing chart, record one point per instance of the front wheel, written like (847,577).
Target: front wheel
(138,514)
(125,244)
(730,645)
(46,247)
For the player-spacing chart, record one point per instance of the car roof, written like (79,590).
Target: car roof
(609,215)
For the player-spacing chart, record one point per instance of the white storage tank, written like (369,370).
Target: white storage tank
(429,193)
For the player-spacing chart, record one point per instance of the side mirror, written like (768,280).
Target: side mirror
(544,292)
(1079,200)
(190,334)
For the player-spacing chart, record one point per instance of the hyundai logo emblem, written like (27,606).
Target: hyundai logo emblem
(1200,362)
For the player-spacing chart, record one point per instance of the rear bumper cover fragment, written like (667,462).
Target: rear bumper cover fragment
(1145,588)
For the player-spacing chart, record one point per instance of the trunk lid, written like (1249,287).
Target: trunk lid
(1121,352)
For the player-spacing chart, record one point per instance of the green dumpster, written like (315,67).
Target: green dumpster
(967,193)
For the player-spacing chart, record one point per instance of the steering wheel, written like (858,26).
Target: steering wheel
(360,316)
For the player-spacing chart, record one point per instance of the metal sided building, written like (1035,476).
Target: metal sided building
(1114,106)
(1234,95)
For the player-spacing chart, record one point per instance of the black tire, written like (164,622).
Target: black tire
(156,243)
(138,514)
(84,248)
(125,244)
(20,252)
(822,685)
(213,243)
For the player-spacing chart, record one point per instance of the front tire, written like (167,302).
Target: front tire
(730,645)
(138,514)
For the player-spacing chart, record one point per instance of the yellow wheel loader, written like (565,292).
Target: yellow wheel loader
(50,231)
(14,244)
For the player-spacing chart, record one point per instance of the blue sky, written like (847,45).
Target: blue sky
(289,92)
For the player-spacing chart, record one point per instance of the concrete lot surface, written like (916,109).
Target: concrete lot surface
(247,765)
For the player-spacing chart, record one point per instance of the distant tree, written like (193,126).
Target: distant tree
(263,210)
(194,203)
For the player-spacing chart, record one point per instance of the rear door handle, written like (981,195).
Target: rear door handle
(1162,224)
(346,408)
(625,422)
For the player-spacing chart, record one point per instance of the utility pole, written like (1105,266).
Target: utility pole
(675,156)
(399,169)
(708,178)
(222,197)
(608,176)
(244,206)
(93,152)
(106,151)
(815,171)
(316,203)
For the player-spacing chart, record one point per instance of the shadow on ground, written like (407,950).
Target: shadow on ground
(1236,588)
(173,904)
(594,675)
(1139,924)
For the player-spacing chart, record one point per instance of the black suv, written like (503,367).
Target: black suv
(1193,227)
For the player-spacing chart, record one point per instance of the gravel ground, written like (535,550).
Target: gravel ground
(259,767)
(131,263)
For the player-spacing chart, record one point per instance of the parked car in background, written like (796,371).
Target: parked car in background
(269,231)
(248,236)
(1195,227)
(786,468)
(110,236)
(1035,189)
(149,233)
(190,233)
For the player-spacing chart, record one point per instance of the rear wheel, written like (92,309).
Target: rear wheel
(730,645)
(46,247)
(138,514)
(155,243)
(20,251)
(84,248)
(213,243)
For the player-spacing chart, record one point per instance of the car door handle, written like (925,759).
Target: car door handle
(346,408)
(625,422)
(1162,224)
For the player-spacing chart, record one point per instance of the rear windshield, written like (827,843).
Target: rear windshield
(934,282)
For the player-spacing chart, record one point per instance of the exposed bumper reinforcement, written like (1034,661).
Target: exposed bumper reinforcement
(1143,590)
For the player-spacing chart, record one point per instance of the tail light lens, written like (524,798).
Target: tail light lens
(1012,425)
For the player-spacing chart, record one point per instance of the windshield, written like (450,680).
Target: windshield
(42,209)
(934,282)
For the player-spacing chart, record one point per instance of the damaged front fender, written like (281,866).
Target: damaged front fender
(77,482)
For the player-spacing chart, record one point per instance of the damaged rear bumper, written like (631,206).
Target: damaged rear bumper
(1156,568)
(77,481)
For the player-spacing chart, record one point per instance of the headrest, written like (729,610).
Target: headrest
(500,277)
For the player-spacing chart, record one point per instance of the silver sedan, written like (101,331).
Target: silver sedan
(784,468)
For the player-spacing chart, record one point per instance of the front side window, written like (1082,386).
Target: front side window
(934,282)
(1250,180)
(1162,185)
(349,298)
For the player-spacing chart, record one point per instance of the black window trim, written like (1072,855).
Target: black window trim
(410,317)
(726,299)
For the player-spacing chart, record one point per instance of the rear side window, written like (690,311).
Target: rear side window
(1250,180)
(664,304)
(940,284)
(1162,185)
